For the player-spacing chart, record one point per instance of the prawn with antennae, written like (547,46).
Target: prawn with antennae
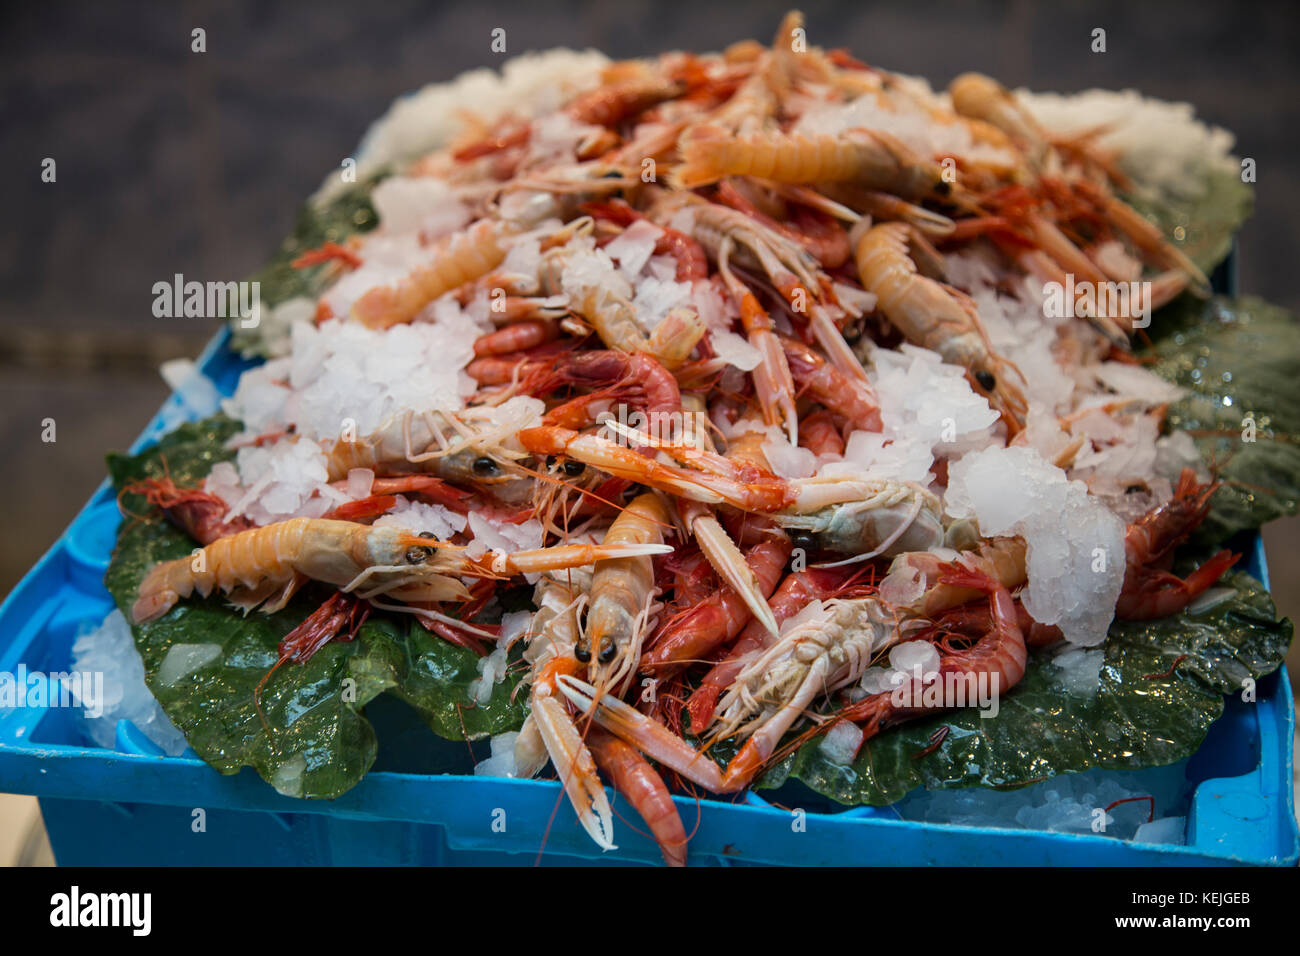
(265,566)
(473,446)
(860,518)
(574,615)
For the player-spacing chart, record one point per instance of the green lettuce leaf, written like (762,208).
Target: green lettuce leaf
(1239,359)
(1201,222)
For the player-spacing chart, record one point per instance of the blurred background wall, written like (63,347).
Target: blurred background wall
(173,161)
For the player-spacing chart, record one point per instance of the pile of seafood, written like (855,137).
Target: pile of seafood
(746,367)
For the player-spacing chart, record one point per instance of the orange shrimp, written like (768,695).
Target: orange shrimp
(848,516)
(622,590)
(633,777)
(773,382)
(717,619)
(935,316)
(981,98)
(515,338)
(870,157)
(267,565)
(462,258)
(853,398)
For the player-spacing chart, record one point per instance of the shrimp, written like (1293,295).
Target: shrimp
(461,259)
(639,380)
(993,664)
(644,789)
(614,318)
(201,515)
(978,97)
(726,233)
(824,652)
(935,316)
(515,337)
(794,593)
(1144,235)
(773,382)
(885,207)
(718,618)
(472,446)
(817,433)
(717,546)
(267,565)
(853,398)
(622,593)
(853,516)
(610,105)
(870,158)
(548,730)
(1002,559)
(824,239)
(1152,593)
(691,260)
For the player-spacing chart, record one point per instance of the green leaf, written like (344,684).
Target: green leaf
(312,739)
(1239,359)
(1137,718)
(1201,221)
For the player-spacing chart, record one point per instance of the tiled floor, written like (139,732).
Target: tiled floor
(173,161)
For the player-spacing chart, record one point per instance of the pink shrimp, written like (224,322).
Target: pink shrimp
(1150,592)
(515,338)
(996,662)
(693,634)
(200,515)
(638,782)
(852,398)
(692,263)
(817,433)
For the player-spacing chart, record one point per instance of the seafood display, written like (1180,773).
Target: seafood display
(693,389)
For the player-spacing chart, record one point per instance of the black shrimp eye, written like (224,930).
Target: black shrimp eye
(607,652)
(986,380)
(551,461)
(428,534)
(485,467)
(417,555)
(582,652)
(803,540)
(574,468)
